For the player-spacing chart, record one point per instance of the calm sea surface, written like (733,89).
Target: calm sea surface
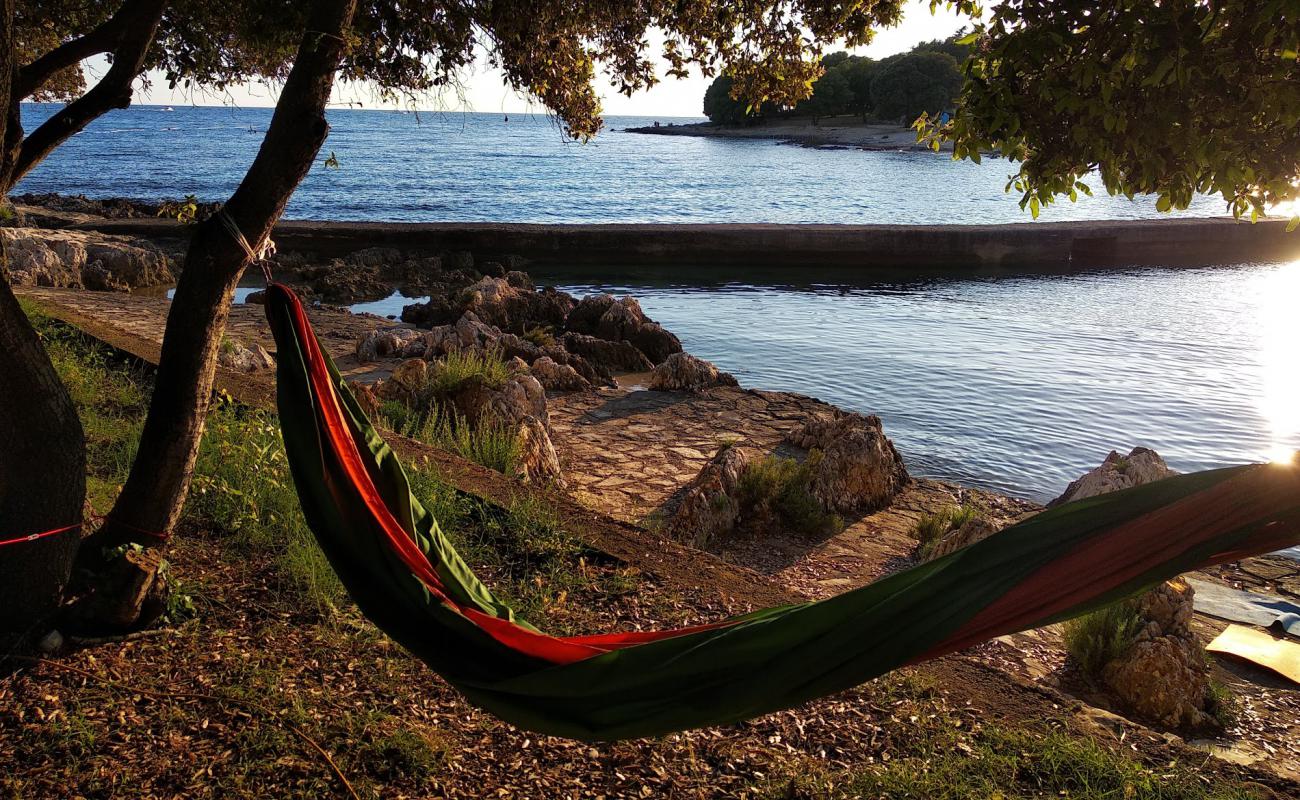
(1015,383)
(436,167)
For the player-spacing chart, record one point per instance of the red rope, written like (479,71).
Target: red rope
(31,537)
(160,536)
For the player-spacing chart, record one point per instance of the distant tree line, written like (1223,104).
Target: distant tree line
(898,88)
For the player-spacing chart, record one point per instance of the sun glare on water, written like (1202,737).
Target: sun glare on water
(1280,356)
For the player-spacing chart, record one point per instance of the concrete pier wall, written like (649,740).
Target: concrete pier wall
(959,248)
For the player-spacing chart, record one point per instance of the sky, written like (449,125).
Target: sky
(484,92)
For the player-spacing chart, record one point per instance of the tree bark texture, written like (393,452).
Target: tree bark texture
(42,447)
(154,493)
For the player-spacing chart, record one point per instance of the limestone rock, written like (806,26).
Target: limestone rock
(1117,472)
(538,462)
(240,358)
(407,381)
(341,281)
(366,397)
(708,510)
(471,333)
(614,356)
(391,343)
(1164,677)
(510,307)
(557,377)
(520,397)
(77,259)
(859,468)
(683,372)
(622,320)
(375,256)
(976,530)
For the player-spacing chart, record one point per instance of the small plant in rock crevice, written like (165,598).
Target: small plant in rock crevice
(930,529)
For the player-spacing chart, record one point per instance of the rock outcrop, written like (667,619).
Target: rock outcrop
(1164,676)
(391,343)
(557,377)
(683,372)
(974,530)
(859,469)
(241,358)
(83,260)
(622,320)
(608,355)
(708,510)
(518,405)
(1117,472)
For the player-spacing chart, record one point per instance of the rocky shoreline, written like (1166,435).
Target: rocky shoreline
(832,133)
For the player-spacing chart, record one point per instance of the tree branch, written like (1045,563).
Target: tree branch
(102,39)
(113,90)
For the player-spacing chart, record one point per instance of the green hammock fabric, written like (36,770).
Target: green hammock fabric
(406,577)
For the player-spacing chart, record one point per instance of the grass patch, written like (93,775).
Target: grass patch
(459,367)
(780,486)
(930,529)
(1095,639)
(490,442)
(242,486)
(1005,764)
(111,395)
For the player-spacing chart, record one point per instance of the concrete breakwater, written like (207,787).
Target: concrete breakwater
(859,249)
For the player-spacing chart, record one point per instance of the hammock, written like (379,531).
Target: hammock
(405,577)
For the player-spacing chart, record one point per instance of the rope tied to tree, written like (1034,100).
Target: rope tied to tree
(257,255)
(161,536)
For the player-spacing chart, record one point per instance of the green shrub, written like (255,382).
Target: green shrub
(1095,639)
(781,486)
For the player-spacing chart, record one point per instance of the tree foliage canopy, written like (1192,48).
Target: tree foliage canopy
(551,49)
(1172,99)
(915,84)
(925,79)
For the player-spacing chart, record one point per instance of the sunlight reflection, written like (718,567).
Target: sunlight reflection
(1280,337)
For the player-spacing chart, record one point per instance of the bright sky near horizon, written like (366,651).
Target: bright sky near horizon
(483,90)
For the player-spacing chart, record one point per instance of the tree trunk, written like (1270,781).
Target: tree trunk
(138,23)
(42,448)
(152,499)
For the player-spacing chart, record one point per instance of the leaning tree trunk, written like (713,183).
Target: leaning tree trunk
(152,499)
(42,448)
